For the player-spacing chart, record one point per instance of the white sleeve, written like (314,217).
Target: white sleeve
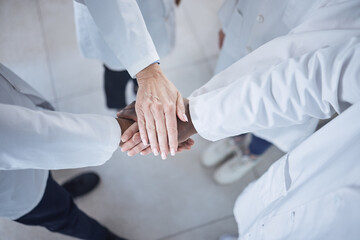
(316,85)
(33,139)
(123,28)
(223,107)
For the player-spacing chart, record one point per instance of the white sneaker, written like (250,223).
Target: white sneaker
(234,169)
(130,95)
(227,237)
(218,151)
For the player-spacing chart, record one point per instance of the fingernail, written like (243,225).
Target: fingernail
(156,152)
(142,154)
(172,151)
(163,156)
(121,150)
(144,142)
(185,117)
(129,154)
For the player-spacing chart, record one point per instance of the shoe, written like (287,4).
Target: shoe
(81,184)
(234,169)
(218,152)
(228,237)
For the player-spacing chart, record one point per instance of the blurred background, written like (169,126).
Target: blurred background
(141,198)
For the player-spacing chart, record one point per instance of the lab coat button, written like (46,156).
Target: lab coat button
(248,49)
(260,18)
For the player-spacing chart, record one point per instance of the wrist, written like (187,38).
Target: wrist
(153,71)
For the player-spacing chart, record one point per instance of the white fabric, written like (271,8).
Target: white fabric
(34,140)
(314,191)
(114,31)
(244,33)
(237,100)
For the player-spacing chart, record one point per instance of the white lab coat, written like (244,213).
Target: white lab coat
(239,91)
(312,72)
(313,192)
(114,32)
(248,24)
(34,140)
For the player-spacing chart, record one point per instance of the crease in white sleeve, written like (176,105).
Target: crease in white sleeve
(54,140)
(123,28)
(312,86)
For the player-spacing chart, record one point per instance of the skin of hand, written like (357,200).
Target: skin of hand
(124,124)
(186,129)
(132,140)
(221,38)
(158,102)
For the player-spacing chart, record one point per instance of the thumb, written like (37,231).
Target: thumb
(180,108)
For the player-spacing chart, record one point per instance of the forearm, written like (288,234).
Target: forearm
(123,28)
(52,140)
(312,86)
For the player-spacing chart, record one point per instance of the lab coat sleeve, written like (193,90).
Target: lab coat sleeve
(233,101)
(123,29)
(315,85)
(33,139)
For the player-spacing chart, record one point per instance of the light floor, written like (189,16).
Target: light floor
(142,198)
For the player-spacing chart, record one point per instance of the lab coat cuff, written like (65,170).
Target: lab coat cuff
(201,127)
(114,136)
(143,63)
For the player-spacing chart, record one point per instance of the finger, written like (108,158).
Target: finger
(171,127)
(190,141)
(137,149)
(146,151)
(186,145)
(129,133)
(142,127)
(161,129)
(131,143)
(151,132)
(180,108)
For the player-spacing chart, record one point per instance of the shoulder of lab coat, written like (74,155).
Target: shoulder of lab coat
(123,29)
(33,139)
(277,85)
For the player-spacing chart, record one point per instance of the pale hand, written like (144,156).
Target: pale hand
(158,102)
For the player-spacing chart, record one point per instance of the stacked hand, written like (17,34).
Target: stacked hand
(131,140)
(158,104)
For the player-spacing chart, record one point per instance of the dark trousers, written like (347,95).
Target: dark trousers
(115,84)
(58,213)
(258,145)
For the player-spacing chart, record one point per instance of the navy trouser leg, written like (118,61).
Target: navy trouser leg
(115,84)
(58,213)
(258,145)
